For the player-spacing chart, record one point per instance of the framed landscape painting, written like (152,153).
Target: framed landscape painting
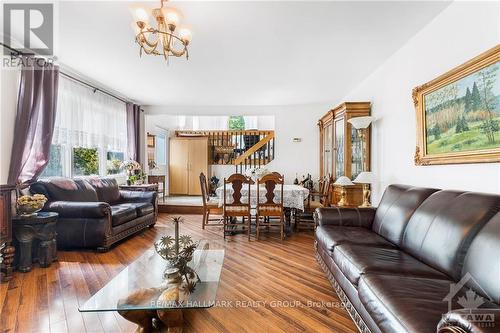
(458,114)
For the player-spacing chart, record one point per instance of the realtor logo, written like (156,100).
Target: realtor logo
(468,304)
(29,27)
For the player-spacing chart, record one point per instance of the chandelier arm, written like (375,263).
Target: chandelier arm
(144,40)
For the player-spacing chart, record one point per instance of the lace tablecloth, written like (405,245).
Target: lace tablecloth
(293,195)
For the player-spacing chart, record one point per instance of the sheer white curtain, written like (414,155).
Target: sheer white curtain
(89,119)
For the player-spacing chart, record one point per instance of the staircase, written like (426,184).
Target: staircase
(243,149)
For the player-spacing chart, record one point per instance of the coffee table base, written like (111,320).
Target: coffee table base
(171,321)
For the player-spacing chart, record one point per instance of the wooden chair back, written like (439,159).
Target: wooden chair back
(270,207)
(327,193)
(204,189)
(236,182)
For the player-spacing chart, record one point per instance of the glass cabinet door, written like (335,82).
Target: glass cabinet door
(327,150)
(356,154)
(339,148)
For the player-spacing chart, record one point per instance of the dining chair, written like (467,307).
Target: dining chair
(270,212)
(321,198)
(210,207)
(238,207)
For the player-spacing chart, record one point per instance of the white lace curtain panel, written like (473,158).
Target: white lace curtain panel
(89,119)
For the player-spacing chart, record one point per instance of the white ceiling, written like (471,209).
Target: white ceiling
(242,53)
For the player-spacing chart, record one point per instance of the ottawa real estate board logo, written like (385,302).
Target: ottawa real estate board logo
(469,304)
(29,27)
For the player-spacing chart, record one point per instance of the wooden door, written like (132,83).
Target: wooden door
(197,163)
(178,166)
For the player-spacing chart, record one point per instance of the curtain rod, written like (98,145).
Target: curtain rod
(19,53)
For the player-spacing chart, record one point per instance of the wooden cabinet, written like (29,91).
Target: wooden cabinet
(188,157)
(340,147)
(6,248)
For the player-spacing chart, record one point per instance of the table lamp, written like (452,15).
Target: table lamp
(365,178)
(343,182)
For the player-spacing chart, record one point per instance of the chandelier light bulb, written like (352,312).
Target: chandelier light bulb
(141,15)
(185,34)
(172,16)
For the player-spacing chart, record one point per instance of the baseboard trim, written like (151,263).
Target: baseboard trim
(180,209)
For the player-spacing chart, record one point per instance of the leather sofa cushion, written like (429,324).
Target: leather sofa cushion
(441,230)
(482,261)
(122,213)
(142,208)
(355,260)
(107,189)
(404,304)
(329,236)
(395,209)
(411,304)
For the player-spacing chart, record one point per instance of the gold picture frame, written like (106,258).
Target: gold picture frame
(457,129)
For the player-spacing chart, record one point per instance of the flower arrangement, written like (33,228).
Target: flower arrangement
(256,173)
(134,171)
(131,166)
(30,204)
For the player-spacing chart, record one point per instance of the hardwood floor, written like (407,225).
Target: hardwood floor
(268,286)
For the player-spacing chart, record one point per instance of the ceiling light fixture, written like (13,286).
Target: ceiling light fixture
(168,38)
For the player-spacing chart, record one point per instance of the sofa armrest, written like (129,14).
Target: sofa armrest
(349,217)
(482,320)
(139,196)
(77,209)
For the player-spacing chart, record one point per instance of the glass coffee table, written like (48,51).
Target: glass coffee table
(141,293)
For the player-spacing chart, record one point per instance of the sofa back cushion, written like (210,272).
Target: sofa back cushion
(107,189)
(441,229)
(395,209)
(482,261)
(65,189)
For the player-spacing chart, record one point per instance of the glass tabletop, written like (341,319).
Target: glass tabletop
(141,284)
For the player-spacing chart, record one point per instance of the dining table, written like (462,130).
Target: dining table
(293,198)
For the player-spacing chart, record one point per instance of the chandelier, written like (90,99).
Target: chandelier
(168,38)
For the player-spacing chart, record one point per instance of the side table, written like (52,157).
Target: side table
(140,188)
(35,240)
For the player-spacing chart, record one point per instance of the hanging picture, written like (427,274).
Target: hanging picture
(458,114)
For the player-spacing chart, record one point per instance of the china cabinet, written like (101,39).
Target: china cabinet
(341,149)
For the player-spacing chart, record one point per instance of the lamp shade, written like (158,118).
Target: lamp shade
(365,177)
(361,122)
(343,181)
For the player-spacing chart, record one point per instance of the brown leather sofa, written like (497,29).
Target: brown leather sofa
(414,263)
(94,212)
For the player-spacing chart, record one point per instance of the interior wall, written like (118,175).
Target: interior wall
(9,86)
(297,121)
(459,33)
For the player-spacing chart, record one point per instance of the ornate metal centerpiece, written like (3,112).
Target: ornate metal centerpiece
(178,252)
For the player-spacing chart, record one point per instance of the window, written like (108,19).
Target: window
(113,161)
(90,133)
(161,150)
(85,161)
(54,168)
(236,123)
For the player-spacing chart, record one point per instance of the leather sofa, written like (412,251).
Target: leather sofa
(94,212)
(425,260)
